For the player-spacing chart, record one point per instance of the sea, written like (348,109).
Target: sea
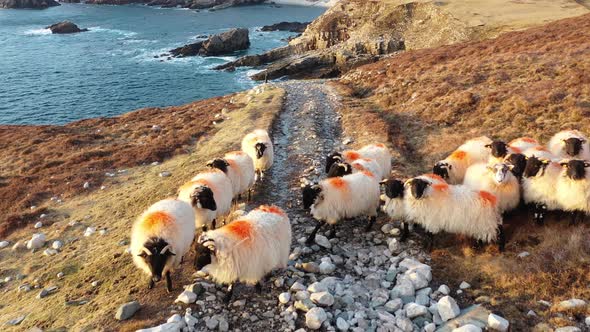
(115,67)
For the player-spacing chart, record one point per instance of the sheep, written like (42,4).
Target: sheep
(573,188)
(518,162)
(337,198)
(523,143)
(453,168)
(210,194)
(394,203)
(359,165)
(458,209)
(239,167)
(539,186)
(495,179)
(247,249)
(570,144)
(378,152)
(540,152)
(258,146)
(160,237)
(499,150)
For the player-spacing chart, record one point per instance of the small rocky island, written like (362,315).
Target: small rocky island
(219,44)
(27,4)
(65,27)
(286,26)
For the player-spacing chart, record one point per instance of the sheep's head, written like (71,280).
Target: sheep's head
(332,158)
(442,169)
(500,171)
(573,146)
(339,169)
(499,149)
(575,169)
(203,198)
(393,188)
(157,254)
(535,167)
(218,163)
(518,161)
(260,148)
(204,252)
(418,187)
(311,195)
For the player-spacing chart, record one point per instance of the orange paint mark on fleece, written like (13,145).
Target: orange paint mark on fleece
(440,186)
(515,150)
(540,148)
(271,209)
(156,220)
(435,177)
(487,197)
(351,155)
(459,155)
(524,139)
(358,167)
(240,228)
(338,183)
(380,145)
(367,173)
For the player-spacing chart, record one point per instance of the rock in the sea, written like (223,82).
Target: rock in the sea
(286,26)
(498,323)
(37,241)
(63,28)
(219,44)
(315,317)
(127,310)
(571,304)
(27,4)
(448,308)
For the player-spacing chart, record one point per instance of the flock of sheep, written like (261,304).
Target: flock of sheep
(466,194)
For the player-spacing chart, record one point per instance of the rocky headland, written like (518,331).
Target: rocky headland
(27,4)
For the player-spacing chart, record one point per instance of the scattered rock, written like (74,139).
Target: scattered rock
(341,324)
(571,304)
(327,268)
(498,323)
(310,267)
(448,308)
(297,286)
(523,254)
(317,287)
(38,225)
(60,275)
(219,44)
(89,231)
(37,241)
(46,291)
(468,328)
(49,252)
(324,299)
(86,185)
(4,244)
(63,28)
(165,174)
(16,321)
(414,310)
(186,297)
(57,245)
(127,310)
(323,241)
(464,285)
(568,329)
(315,317)
(211,323)
(95,283)
(285,297)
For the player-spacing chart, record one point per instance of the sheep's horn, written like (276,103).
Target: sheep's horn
(166,249)
(146,251)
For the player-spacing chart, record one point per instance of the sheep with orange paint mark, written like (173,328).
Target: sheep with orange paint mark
(378,152)
(497,179)
(247,249)
(239,167)
(160,237)
(210,194)
(456,209)
(359,165)
(258,146)
(570,144)
(338,198)
(539,183)
(453,168)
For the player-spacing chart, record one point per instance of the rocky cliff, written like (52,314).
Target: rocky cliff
(192,4)
(27,4)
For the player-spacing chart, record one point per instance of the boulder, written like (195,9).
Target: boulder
(448,308)
(498,323)
(286,26)
(315,317)
(65,27)
(571,304)
(127,310)
(27,4)
(219,44)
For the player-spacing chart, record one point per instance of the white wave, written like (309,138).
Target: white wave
(37,32)
(116,31)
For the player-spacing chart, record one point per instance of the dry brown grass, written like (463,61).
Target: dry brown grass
(530,83)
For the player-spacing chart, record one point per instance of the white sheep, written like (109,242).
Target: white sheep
(456,209)
(247,249)
(453,168)
(239,167)
(160,237)
(394,203)
(210,194)
(359,165)
(539,185)
(258,146)
(378,152)
(343,197)
(523,143)
(496,179)
(573,188)
(570,144)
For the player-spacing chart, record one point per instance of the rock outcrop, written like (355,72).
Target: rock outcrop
(192,4)
(65,27)
(286,26)
(27,4)
(219,44)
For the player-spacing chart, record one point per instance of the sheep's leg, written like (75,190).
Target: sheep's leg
(405,231)
(372,220)
(501,238)
(151,283)
(311,237)
(332,232)
(213,224)
(168,282)
(229,294)
(429,240)
(258,287)
(539,214)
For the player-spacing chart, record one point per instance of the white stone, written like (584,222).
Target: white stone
(414,310)
(86,185)
(176,318)
(444,289)
(302,295)
(60,275)
(404,288)
(587,321)
(297,286)
(166,327)
(498,323)
(317,287)
(386,316)
(49,252)
(324,299)
(4,244)
(57,245)
(448,308)
(37,241)
(531,313)
(464,285)
(327,267)
(430,327)
(89,231)
(468,328)
(323,241)
(341,324)
(165,174)
(418,280)
(95,283)
(186,297)
(523,254)
(38,225)
(315,317)
(568,329)
(571,304)
(285,297)
(393,305)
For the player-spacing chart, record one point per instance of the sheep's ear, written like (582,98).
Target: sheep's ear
(582,140)
(510,166)
(209,163)
(488,145)
(382,182)
(563,163)
(545,162)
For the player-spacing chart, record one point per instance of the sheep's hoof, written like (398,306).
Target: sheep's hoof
(168,283)
(151,284)
(258,288)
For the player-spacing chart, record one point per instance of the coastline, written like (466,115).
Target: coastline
(308,3)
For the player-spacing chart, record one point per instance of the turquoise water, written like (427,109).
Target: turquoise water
(55,79)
